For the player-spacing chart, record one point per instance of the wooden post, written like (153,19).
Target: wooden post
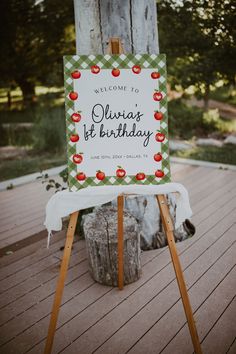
(61,282)
(168,226)
(133,21)
(115,47)
(120,207)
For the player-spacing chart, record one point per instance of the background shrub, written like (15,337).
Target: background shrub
(49,131)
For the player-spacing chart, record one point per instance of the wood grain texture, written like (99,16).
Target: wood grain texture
(87,27)
(95,316)
(116,22)
(144,26)
(120,234)
(61,282)
(168,226)
(133,21)
(113,245)
(111,315)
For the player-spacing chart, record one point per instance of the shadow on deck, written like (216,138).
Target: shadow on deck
(147,316)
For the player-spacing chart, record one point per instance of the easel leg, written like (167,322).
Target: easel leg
(168,226)
(115,47)
(120,207)
(60,282)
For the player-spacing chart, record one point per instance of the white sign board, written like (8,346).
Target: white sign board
(116,110)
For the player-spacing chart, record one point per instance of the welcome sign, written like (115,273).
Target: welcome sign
(116,114)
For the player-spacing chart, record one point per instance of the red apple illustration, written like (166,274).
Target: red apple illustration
(160,137)
(78,158)
(159,173)
(140,176)
(158,115)
(115,72)
(74,138)
(157,157)
(157,96)
(120,173)
(81,176)
(76,74)
(73,95)
(100,175)
(76,117)
(95,69)
(155,75)
(136,69)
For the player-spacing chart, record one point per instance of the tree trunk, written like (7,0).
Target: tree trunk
(28,91)
(135,22)
(100,230)
(9,99)
(206,97)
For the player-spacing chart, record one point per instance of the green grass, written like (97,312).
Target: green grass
(224,94)
(225,154)
(47,98)
(16,94)
(30,164)
(186,122)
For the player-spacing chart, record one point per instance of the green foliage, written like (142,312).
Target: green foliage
(34,36)
(225,154)
(64,175)
(224,94)
(3,136)
(27,115)
(29,164)
(199,40)
(186,122)
(49,131)
(211,118)
(51,183)
(16,135)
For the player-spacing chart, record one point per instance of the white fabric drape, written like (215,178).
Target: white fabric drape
(63,203)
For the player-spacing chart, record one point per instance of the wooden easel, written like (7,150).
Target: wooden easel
(115,47)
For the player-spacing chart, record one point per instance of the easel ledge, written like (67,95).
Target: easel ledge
(115,47)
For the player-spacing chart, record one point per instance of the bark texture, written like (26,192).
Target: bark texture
(146,212)
(100,230)
(134,21)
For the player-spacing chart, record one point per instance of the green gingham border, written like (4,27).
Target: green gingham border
(123,61)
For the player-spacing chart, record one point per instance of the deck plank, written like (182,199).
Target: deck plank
(232,347)
(135,323)
(174,319)
(219,299)
(29,284)
(98,310)
(147,316)
(218,341)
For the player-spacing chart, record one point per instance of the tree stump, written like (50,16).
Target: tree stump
(100,230)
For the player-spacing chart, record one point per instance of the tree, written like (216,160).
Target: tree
(33,39)
(19,44)
(199,40)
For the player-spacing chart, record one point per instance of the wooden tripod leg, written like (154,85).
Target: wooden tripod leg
(115,47)
(168,226)
(60,282)
(120,207)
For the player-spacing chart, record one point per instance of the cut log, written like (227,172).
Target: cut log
(100,230)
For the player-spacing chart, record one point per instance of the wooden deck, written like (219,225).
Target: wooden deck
(22,214)
(147,316)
